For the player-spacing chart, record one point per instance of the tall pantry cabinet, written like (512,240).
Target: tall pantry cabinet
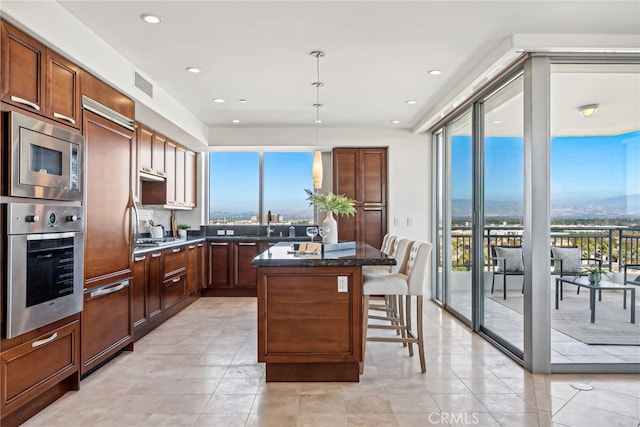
(361,173)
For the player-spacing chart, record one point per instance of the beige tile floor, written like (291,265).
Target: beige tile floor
(200,369)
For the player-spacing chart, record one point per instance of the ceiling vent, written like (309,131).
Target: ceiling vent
(143,84)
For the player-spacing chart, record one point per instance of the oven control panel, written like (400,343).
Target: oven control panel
(28,218)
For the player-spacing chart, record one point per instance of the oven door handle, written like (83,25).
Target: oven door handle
(106,291)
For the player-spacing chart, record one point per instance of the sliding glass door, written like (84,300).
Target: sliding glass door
(502,155)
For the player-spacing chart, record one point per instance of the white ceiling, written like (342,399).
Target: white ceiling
(377,52)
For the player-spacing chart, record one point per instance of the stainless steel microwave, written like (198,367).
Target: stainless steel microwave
(45,161)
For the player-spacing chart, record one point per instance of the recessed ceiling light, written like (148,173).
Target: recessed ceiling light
(317,121)
(588,110)
(497,122)
(395,122)
(412,101)
(150,19)
(235,121)
(435,72)
(193,70)
(242,101)
(218,100)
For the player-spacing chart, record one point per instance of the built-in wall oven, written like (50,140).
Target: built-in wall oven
(44,264)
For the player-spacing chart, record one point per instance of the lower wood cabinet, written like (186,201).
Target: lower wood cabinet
(32,370)
(106,323)
(174,291)
(164,282)
(230,272)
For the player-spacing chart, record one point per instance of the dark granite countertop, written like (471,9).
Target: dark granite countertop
(240,238)
(363,254)
(175,243)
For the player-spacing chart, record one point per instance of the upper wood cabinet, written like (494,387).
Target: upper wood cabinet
(361,173)
(158,162)
(190,180)
(37,79)
(179,189)
(144,139)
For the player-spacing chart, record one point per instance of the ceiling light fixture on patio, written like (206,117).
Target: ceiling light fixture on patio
(316,170)
(588,110)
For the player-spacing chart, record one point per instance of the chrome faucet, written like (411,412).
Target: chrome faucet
(269,219)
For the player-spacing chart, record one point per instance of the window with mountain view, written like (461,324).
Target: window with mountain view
(238,181)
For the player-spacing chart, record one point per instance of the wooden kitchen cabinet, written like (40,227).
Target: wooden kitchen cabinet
(158,162)
(219,257)
(361,173)
(38,79)
(144,139)
(190,179)
(63,90)
(174,273)
(170,170)
(244,273)
(229,267)
(37,371)
(139,293)
(106,323)
(195,268)
(179,177)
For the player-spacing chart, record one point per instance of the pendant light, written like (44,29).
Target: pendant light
(316,171)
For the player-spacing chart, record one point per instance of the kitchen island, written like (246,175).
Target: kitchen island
(310,312)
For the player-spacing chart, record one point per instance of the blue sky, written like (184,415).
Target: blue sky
(582,168)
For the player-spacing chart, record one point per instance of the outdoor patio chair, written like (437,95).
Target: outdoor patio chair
(506,261)
(568,261)
(631,276)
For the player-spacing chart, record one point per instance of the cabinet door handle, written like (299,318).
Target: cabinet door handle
(44,341)
(25,102)
(246,244)
(156,255)
(176,250)
(106,291)
(140,258)
(219,244)
(200,245)
(192,247)
(63,117)
(176,279)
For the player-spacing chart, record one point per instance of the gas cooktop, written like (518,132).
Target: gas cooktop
(151,242)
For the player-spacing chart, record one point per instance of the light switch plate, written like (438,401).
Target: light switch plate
(343,284)
(220,232)
(230,232)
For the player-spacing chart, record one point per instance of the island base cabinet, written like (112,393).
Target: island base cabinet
(38,371)
(309,327)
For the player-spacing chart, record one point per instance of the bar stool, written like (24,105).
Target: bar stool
(394,312)
(408,284)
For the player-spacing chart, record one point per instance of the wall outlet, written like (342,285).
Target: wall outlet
(230,232)
(396,221)
(410,221)
(343,284)
(220,232)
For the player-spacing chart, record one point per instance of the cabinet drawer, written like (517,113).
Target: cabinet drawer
(174,261)
(106,323)
(175,290)
(31,368)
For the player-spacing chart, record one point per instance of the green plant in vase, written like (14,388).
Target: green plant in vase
(182,230)
(594,274)
(332,204)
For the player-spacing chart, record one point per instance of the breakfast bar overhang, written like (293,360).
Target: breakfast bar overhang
(310,312)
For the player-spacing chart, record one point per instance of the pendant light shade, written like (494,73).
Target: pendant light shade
(317,169)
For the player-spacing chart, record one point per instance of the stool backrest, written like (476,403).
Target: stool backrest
(417,267)
(400,252)
(387,243)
